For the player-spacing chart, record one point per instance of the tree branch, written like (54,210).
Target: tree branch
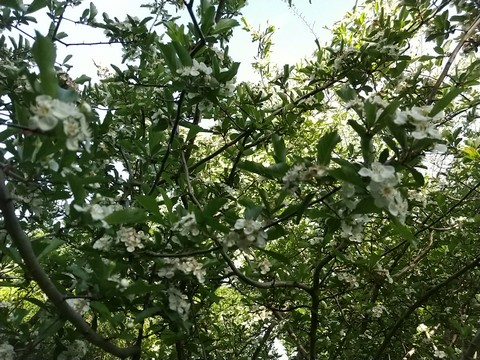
(263,285)
(449,63)
(419,303)
(22,242)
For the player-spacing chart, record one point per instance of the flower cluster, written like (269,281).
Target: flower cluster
(122,283)
(300,173)
(98,212)
(264,266)
(80,305)
(131,238)
(195,70)
(247,233)
(420,118)
(48,112)
(104,243)
(382,187)
(187,225)
(186,265)
(352,228)
(293,177)
(77,350)
(178,302)
(378,310)
(348,278)
(7,351)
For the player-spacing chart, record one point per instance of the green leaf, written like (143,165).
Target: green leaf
(276,232)
(147,313)
(183,54)
(214,205)
(51,245)
(347,173)
(170,57)
(417,176)
(445,101)
(207,16)
(346,93)
(279,150)
(303,206)
(36,5)
(93,12)
(44,54)
(370,112)
(127,216)
(359,129)
(149,203)
(403,230)
(76,186)
(367,206)
(102,309)
(277,256)
(166,200)
(82,79)
(224,25)
(271,172)
(13,4)
(325,147)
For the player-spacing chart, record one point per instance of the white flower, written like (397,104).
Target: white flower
(75,351)
(80,305)
(76,129)
(293,177)
(424,129)
(379,101)
(7,351)
(422,328)
(187,225)
(420,118)
(420,113)
(247,233)
(98,212)
(178,302)
(401,117)
(440,148)
(195,70)
(104,243)
(377,310)
(382,188)
(187,266)
(378,172)
(315,171)
(47,112)
(440,354)
(131,238)
(264,266)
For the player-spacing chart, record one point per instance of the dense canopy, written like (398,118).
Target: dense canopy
(164,209)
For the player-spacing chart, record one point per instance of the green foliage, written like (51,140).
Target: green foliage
(166,209)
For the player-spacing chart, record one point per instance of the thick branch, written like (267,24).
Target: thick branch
(22,242)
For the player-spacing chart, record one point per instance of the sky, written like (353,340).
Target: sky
(293,38)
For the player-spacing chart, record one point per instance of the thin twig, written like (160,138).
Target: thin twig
(449,63)
(419,303)
(265,284)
